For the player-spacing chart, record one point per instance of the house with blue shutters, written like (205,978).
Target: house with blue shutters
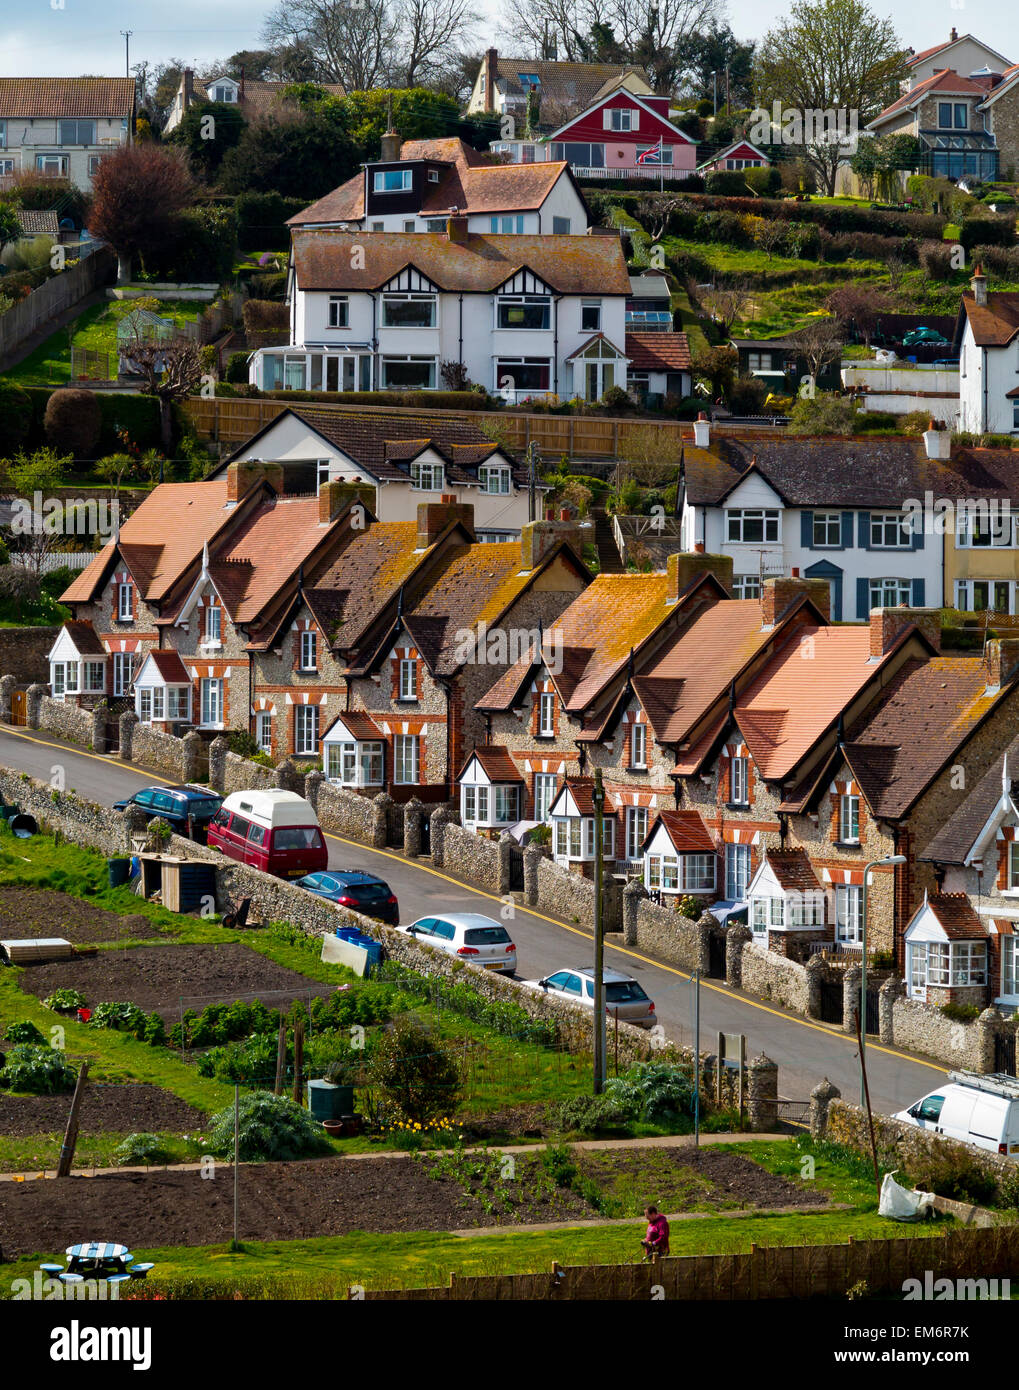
(841,510)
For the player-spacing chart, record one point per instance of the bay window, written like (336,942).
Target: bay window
(682,873)
(354,764)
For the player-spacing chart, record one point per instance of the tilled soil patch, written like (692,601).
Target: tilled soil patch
(29,912)
(278,1201)
(157,977)
(105,1110)
(680,1179)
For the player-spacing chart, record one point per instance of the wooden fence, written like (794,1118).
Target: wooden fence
(792,1271)
(54,296)
(228,421)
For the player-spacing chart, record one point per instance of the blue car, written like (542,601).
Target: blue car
(353,888)
(188,809)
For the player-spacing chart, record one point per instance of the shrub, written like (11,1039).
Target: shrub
(588,1115)
(725,183)
(237,366)
(616,400)
(951,1172)
(987,231)
(265,316)
(15,415)
(199,247)
(747,396)
(766,182)
(416,1073)
(270,1128)
(141,1149)
(261,220)
(25,1032)
(936,259)
(272,285)
(41,1071)
(821,415)
(73,422)
(123,1017)
(65,1001)
(960,1013)
(652,1091)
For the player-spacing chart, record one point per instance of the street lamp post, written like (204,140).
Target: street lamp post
(600,1039)
(874,863)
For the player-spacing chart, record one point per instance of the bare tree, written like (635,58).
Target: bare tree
(430,35)
(856,304)
(170,371)
(820,342)
(726,304)
(653,213)
(771,235)
(650,456)
(349,41)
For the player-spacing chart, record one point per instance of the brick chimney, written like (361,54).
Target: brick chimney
(456,227)
(777,595)
(537,538)
(937,441)
(491,73)
(242,476)
(979,285)
(953,35)
(702,431)
(336,496)
(684,566)
(392,141)
(434,517)
(886,624)
(1001,657)
(189,87)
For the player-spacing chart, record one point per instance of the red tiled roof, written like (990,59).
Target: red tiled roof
(170,666)
(687,832)
(266,551)
(793,870)
(85,638)
(945,80)
(995,323)
(87,98)
(496,760)
(569,264)
(800,693)
(357,723)
(658,352)
(957,916)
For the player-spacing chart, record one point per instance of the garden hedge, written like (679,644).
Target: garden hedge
(137,415)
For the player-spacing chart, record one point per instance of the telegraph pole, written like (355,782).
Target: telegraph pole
(127,50)
(600,1044)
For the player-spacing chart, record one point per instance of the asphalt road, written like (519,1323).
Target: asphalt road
(804,1050)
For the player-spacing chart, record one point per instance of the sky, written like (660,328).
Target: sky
(66,38)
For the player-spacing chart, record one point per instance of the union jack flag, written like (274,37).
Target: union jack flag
(652,155)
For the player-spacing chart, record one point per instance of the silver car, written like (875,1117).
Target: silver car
(471,936)
(625,998)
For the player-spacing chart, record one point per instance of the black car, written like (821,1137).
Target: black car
(188,809)
(356,889)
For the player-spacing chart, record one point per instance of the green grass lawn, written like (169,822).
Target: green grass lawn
(95,328)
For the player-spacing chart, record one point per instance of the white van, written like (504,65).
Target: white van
(273,830)
(979,1110)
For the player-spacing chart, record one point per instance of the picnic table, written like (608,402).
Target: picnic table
(99,1259)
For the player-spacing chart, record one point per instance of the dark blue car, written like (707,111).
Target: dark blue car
(188,809)
(353,888)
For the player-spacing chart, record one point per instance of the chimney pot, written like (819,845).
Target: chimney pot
(978,285)
(702,431)
(391,144)
(937,441)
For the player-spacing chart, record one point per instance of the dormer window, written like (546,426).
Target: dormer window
(125,603)
(393,180)
(426,477)
(493,479)
(224,92)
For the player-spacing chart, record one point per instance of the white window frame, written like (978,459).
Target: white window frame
(1009,967)
(546,715)
(621,119)
(545,788)
(405,184)
(144,702)
(827,524)
(508,301)
(125,603)
(698,872)
(890,531)
(432,300)
(737,872)
(849,817)
(739,782)
(849,914)
(738,519)
(1013,865)
(883,595)
(178,703)
(408,684)
(212,692)
(339,311)
(746,586)
(426,477)
(394,358)
(589,306)
(309,650)
(123,664)
(636,830)
(306,722)
(406,759)
(494,479)
(263,730)
(638,747)
(213,626)
(89,684)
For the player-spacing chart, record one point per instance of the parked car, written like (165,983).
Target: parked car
(188,809)
(979,1110)
(273,830)
(469,934)
(625,997)
(354,888)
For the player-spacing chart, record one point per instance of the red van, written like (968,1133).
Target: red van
(274,830)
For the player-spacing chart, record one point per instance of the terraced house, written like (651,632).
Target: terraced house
(521,315)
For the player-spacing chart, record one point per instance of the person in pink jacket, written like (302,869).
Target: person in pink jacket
(656,1237)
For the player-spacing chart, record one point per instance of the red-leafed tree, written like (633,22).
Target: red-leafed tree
(137,192)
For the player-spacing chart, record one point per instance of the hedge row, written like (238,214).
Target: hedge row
(419,400)
(834,217)
(22,409)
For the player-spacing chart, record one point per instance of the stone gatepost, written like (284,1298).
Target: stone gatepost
(532,858)
(33,697)
(288,777)
(312,784)
(8,685)
(887,995)
(706,925)
(506,847)
(128,724)
(851,999)
(135,823)
(380,820)
(439,819)
(990,1023)
(191,749)
(633,895)
(99,714)
(762,1093)
(817,972)
(413,814)
(820,1098)
(735,939)
(218,749)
